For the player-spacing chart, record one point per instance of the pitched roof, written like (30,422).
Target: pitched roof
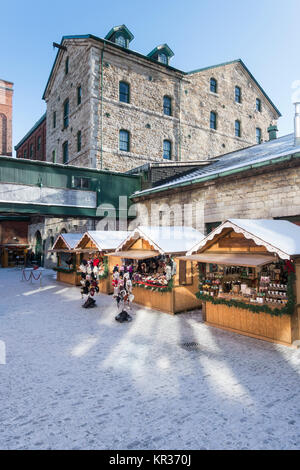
(70,239)
(258,155)
(105,240)
(175,239)
(36,125)
(238,61)
(278,236)
(122,28)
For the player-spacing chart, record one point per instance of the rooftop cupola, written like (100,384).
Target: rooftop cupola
(272,130)
(162,54)
(120,35)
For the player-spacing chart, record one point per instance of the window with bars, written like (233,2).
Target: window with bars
(66,114)
(238,94)
(65,149)
(124,92)
(167,106)
(124,140)
(213,85)
(213,120)
(237,128)
(167,150)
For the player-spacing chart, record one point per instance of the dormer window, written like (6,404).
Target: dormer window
(161,54)
(121,41)
(120,35)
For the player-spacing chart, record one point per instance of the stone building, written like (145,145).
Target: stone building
(262,181)
(33,144)
(110,107)
(6,96)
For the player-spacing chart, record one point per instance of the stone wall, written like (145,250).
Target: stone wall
(99,68)
(263,195)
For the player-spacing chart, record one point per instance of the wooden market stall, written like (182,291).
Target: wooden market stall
(249,278)
(97,243)
(149,250)
(68,259)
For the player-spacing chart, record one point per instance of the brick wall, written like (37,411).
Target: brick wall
(6,95)
(30,148)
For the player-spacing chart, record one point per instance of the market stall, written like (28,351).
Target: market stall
(249,278)
(68,259)
(95,245)
(159,280)
(12,255)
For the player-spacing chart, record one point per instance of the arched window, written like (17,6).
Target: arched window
(213,85)
(167,106)
(167,147)
(121,41)
(258,135)
(213,120)
(258,105)
(237,128)
(238,94)
(124,143)
(65,149)
(124,91)
(66,114)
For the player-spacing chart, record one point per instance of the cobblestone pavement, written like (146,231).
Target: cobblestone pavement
(76,378)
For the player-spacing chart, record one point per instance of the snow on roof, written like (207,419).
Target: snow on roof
(167,239)
(106,239)
(271,150)
(278,236)
(70,239)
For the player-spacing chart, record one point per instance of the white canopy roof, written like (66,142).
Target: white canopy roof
(278,236)
(166,239)
(105,240)
(70,239)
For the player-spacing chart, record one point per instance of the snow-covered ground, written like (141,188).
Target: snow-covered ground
(76,378)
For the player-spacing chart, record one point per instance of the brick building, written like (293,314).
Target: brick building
(33,144)
(110,107)
(6,96)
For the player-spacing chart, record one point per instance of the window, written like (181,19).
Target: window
(167,150)
(39,143)
(67,66)
(25,153)
(237,128)
(78,141)
(54,119)
(65,148)
(213,85)
(258,135)
(31,151)
(53,156)
(121,41)
(78,95)
(66,114)
(124,141)
(80,183)
(213,120)
(238,94)
(167,106)
(258,105)
(124,92)
(162,58)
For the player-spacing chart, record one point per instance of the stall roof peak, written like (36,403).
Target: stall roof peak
(104,239)
(278,236)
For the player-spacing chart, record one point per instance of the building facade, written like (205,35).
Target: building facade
(33,144)
(109,107)
(6,106)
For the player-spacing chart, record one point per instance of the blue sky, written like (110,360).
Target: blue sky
(200,32)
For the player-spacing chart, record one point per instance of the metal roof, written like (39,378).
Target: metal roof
(266,153)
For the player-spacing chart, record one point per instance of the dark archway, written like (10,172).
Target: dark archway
(38,251)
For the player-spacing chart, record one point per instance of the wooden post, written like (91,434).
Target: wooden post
(296,315)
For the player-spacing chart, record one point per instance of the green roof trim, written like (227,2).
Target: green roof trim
(161,48)
(118,29)
(247,70)
(36,125)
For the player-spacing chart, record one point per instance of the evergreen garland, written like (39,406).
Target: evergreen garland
(64,270)
(153,288)
(288,309)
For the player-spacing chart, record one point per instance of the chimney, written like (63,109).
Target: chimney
(272,132)
(297,123)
